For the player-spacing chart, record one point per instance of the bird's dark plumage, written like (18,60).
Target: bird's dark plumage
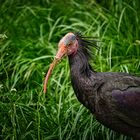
(114,98)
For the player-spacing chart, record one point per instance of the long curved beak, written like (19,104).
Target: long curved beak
(60,53)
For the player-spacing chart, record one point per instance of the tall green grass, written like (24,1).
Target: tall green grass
(33,30)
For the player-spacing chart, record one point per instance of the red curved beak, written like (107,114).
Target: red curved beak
(60,53)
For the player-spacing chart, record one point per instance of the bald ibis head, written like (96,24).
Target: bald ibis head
(68,46)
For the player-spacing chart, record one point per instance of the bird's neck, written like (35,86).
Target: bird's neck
(79,64)
(81,76)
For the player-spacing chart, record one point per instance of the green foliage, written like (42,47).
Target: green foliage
(33,30)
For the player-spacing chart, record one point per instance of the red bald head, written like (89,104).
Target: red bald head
(67,45)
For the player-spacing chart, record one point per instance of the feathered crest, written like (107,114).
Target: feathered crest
(87,44)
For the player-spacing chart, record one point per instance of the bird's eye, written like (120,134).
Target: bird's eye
(69,44)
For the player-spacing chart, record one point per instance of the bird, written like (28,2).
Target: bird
(112,97)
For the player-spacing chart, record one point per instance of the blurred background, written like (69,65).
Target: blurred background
(29,33)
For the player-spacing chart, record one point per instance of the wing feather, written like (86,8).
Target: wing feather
(128,105)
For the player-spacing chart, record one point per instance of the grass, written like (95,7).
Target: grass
(33,30)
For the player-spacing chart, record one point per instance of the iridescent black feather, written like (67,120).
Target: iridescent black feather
(87,44)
